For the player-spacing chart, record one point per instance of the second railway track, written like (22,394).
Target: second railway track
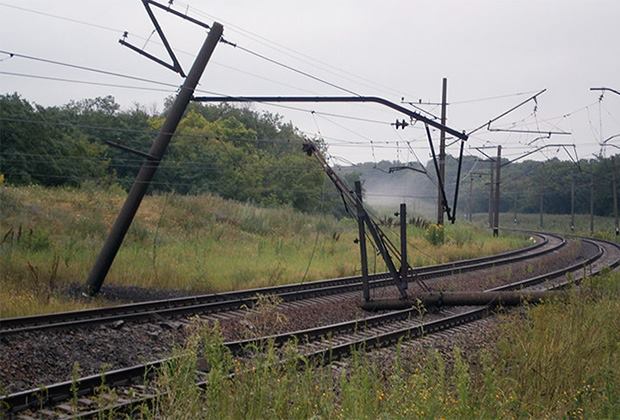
(210,303)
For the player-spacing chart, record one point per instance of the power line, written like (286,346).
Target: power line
(83,82)
(286,66)
(90,69)
(67,19)
(154,131)
(347,129)
(383,144)
(107,72)
(151,81)
(260,55)
(306,58)
(487,124)
(490,98)
(559,116)
(247,50)
(267,79)
(147,39)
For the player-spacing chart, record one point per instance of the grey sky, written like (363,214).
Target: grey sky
(484,48)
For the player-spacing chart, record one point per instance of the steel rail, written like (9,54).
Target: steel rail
(234,300)
(385,339)
(137,374)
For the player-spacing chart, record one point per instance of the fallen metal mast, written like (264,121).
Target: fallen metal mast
(385,247)
(363,99)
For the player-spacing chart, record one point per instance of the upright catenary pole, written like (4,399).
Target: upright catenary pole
(361,231)
(592,202)
(615,194)
(498,165)
(572,203)
(491,194)
(403,241)
(147,170)
(541,221)
(514,209)
(470,198)
(442,153)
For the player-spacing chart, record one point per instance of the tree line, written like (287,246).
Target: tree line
(241,154)
(234,152)
(522,183)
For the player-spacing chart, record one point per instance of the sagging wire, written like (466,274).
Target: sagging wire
(120,31)
(344,201)
(487,124)
(249,51)
(318,129)
(164,84)
(316,238)
(84,82)
(148,39)
(286,66)
(413,105)
(297,55)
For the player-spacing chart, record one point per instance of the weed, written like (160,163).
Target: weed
(435,235)
(36,240)
(75,375)
(47,284)
(276,274)
(263,317)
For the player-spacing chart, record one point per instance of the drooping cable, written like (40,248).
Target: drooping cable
(90,69)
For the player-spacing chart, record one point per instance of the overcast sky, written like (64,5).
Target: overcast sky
(392,49)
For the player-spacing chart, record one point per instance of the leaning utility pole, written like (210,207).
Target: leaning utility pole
(470,198)
(592,202)
(149,167)
(442,153)
(498,165)
(615,194)
(572,203)
(491,194)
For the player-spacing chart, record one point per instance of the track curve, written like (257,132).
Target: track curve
(217,302)
(378,331)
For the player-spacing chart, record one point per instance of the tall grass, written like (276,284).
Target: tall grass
(561,360)
(188,243)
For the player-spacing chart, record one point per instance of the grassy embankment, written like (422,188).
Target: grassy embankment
(560,360)
(51,236)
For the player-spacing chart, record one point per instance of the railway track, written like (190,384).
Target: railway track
(210,303)
(320,344)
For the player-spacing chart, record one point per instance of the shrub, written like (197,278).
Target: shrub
(435,234)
